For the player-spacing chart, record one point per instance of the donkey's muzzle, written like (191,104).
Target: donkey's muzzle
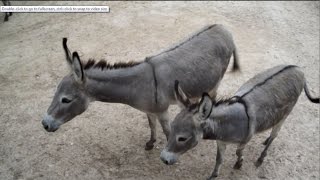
(168,158)
(49,124)
(49,127)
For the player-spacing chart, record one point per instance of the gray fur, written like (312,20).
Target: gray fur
(261,103)
(199,63)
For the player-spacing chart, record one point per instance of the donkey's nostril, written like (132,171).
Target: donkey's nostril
(45,126)
(166,162)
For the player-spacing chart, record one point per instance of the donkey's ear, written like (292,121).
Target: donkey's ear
(205,106)
(181,97)
(66,51)
(77,68)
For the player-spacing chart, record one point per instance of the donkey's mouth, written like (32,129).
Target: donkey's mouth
(51,129)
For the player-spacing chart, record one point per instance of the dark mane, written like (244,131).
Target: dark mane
(224,100)
(192,106)
(102,64)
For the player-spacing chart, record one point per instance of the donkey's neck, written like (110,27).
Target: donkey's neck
(228,122)
(123,85)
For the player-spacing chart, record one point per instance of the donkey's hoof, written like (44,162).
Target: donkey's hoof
(212,177)
(149,146)
(258,162)
(238,165)
(6,18)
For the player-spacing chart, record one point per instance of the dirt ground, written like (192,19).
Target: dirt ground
(107,141)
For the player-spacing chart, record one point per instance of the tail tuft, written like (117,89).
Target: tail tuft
(312,99)
(235,66)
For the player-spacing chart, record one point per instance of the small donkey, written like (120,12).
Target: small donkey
(262,103)
(199,63)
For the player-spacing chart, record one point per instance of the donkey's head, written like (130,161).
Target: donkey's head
(186,128)
(70,98)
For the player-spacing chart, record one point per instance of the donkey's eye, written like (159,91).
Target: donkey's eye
(65,100)
(182,139)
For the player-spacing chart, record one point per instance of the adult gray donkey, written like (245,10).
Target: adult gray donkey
(261,103)
(199,63)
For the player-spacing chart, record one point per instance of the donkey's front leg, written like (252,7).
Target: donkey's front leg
(219,159)
(239,151)
(153,128)
(164,121)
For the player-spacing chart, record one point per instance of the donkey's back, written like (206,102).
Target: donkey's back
(271,95)
(198,63)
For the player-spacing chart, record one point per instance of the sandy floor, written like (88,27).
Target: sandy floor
(107,141)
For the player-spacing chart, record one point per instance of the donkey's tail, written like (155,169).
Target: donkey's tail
(312,99)
(235,66)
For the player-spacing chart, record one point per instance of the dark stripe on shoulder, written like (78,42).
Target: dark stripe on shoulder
(260,84)
(238,99)
(155,80)
(246,110)
(245,106)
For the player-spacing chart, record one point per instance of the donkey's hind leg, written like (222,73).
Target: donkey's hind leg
(268,141)
(9,4)
(6,18)
(6,3)
(152,119)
